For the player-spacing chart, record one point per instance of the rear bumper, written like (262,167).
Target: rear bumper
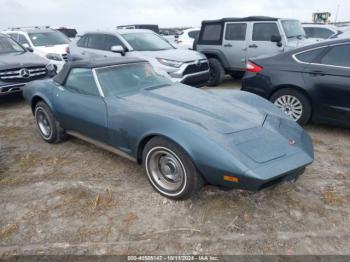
(256,84)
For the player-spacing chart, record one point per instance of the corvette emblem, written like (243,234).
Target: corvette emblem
(291,142)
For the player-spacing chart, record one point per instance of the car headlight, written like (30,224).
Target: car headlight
(171,63)
(51,69)
(55,57)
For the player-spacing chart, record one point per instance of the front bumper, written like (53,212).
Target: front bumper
(12,88)
(192,73)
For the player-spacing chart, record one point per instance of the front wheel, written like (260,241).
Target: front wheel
(48,127)
(216,72)
(170,171)
(294,104)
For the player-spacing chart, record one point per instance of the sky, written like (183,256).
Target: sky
(106,14)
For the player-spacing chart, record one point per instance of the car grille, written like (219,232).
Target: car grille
(23,74)
(65,57)
(196,68)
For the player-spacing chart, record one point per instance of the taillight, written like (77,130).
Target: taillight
(252,67)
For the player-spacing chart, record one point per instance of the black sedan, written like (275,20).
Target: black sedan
(308,83)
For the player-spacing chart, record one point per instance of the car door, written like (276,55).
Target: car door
(80,107)
(329,77)
(234,44)
(260,39)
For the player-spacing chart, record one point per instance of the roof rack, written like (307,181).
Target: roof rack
(29,27)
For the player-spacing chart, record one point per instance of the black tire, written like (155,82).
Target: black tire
(192,181)
(305,102)
(55,133)
(237,74)
(217,72)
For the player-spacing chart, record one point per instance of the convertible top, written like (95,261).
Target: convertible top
(93,63)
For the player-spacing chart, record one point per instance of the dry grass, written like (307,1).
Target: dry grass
(8,230)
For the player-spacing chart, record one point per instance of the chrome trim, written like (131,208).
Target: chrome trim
(312,49)
(101,145)
(97,82)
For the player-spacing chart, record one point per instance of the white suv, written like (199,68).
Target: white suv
(187,37)
(45,42)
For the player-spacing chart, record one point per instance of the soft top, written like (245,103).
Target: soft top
(242,19)
(93,63)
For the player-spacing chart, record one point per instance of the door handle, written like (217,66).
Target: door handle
(228,45)
(253,46)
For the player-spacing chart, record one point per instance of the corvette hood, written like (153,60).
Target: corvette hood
(201,108)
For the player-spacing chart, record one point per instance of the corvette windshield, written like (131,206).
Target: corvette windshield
(128,79)
(147,42)
(48,38)
(7,45)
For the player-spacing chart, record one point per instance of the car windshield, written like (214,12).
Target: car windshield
(48,38)
(147,42)
(293,28)
(128,79)
(8,45)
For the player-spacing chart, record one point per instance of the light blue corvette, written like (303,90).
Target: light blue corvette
(183,136)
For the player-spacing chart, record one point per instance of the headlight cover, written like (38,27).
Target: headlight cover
(171,63)
(55,57)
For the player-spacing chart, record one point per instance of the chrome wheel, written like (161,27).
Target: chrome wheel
(290,105)
(43,123)
(165,169)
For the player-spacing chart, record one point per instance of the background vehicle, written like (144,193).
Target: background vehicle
(310,83)
(185,66)
(71,33)
(229,42)
(325,31)
(181,135)
(186,38)
(154,28)
(44,41)
(18,66)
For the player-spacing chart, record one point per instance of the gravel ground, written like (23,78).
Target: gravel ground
(74,198)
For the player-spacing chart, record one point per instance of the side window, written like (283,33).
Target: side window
(322,33)
(22,40)
(111,40)
(96,41)
(264,31)
(82,41)
(337,56)
(81,81)
(309,31)
(212,33)
(193,34)
(310,56)
(236,32)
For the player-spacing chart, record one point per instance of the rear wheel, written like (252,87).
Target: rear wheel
(48,127)
(216,72)
(294,104)
(170,171)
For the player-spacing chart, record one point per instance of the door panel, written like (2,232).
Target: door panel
(260,40)
(330,84)
(234,44)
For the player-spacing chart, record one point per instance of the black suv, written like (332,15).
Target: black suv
(18,66)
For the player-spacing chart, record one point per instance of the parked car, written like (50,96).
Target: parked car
(309,83)
(322,31)
(229,42)
(186,38)
(154,28)
(44,41)
(19,66)
(71,33)
(183,136)
(185,66)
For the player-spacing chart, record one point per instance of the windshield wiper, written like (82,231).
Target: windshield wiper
(156,86)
